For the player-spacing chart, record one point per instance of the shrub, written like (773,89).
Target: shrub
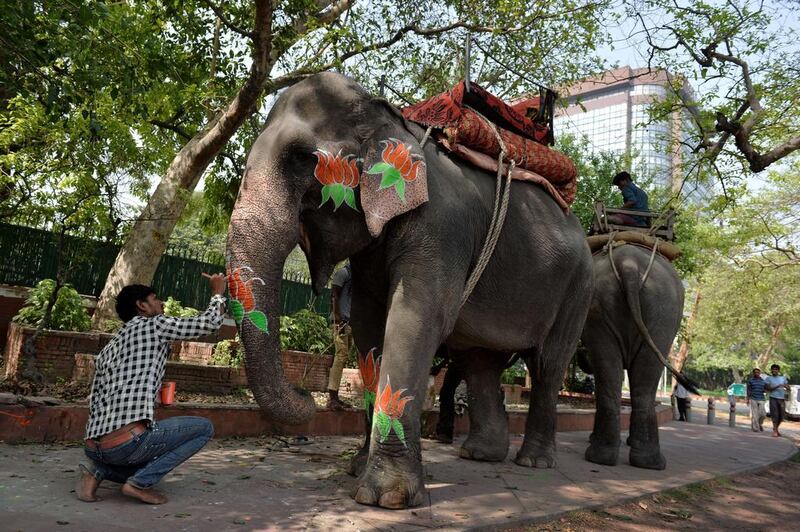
(174,309)
(305,330)
(228,353)
(68,313)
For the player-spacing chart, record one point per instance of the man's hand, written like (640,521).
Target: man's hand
(217,283)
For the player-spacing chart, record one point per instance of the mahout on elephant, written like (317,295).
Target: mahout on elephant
(343,174)
(635,314)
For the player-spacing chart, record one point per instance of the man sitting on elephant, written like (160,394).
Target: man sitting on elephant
(633,198)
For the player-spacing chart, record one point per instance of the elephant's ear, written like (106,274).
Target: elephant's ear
(394,178)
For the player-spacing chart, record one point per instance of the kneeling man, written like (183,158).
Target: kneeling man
(123,441)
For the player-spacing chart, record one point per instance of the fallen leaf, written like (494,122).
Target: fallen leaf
(643,506)
(182,515)
(244,477)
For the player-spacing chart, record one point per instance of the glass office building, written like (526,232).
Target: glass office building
(611,110)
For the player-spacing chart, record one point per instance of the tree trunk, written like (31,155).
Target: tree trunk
(679,358)
(763,358)
(139,257)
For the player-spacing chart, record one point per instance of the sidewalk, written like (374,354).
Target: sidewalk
(257,484)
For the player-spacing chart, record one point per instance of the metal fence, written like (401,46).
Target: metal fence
(30,255)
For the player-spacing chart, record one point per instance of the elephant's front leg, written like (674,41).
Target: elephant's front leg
(488,423)
(368,321)
(393,476)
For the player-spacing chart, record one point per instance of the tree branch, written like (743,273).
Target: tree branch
(220,13)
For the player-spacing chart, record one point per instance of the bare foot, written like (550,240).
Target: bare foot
(149,496)
(86,488)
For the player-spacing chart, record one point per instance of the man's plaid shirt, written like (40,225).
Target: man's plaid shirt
(128,371)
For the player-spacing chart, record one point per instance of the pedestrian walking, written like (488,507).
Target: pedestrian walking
(777,385)
(756,386)
(682,396)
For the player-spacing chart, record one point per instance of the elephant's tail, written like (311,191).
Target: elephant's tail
(630,282)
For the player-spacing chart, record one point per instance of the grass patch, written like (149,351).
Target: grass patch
(795,458)
(698,490)
(713,393)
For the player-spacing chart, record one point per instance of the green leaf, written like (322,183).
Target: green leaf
(350,198)
(390,177)
(398,429)
(259,320)
(337,193)
(237,310)
(379,167)
(400,187)
(384,425)
(326,194)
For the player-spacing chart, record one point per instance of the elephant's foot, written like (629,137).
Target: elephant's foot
(647,459)
(391,482)
(603,454)
(358,463)
(485,449)
(537,455)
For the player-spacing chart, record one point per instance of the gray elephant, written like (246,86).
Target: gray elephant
(344,175)
(635,314)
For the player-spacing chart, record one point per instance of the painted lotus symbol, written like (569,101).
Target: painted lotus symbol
(397,167)
(388,409)
(339,177)
(370,368)
(242,304)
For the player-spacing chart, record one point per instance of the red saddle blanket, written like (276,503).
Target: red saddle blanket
(458,116)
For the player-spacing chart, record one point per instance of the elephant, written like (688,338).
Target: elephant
(635,314)
(344,175)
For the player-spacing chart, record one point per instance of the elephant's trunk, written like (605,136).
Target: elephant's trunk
(264,228)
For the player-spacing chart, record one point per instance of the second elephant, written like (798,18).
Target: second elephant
(635,314)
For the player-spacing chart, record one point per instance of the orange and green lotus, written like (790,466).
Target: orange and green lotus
(370,369)
(242,303)
(338,176)
(388,409)
(397,167)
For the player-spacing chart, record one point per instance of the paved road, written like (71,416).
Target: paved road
(255,484)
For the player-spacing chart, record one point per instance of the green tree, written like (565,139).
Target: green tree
(741,57)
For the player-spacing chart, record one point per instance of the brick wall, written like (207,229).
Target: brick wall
(55,350)
(310,374)
(198,352)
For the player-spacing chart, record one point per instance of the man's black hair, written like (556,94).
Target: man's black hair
(774,366)
(620,176)
(127,298)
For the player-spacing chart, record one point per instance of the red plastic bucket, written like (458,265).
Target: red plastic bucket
(167,393)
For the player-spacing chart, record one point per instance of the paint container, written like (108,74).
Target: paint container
(167,393)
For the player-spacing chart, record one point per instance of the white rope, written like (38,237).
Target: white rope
(649,264)
(426,137)
(498,215)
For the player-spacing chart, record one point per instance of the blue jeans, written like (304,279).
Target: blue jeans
(143,461)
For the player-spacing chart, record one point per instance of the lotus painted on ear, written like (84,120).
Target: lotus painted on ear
(397,167)
(242,304)
(339,177)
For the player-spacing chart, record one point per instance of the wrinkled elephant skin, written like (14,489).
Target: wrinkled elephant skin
(615,342)
(413,223)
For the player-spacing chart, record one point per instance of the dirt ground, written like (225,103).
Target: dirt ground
(765,500)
